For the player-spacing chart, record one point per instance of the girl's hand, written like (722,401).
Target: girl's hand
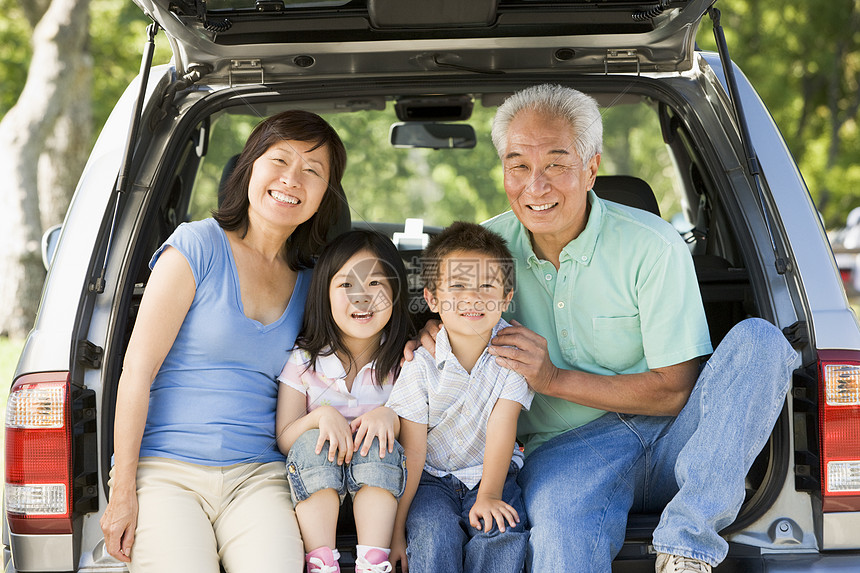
(398,551)
(379,423)
(490,509)
(118,524)
(334,428)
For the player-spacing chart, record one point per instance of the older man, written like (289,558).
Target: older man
(614,331)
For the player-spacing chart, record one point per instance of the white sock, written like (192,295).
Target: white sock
(361,550)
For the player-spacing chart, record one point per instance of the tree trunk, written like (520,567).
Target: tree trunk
(58,42)
(68,147)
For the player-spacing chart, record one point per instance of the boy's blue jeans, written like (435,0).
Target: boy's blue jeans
(439,537)
(579,486)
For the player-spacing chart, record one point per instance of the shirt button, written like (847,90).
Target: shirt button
(584,258)
(549,277)
(564,333)
(561,304)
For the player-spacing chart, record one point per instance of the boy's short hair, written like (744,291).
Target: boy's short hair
(464,236)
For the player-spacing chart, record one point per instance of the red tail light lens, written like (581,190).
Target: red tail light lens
(38,454)
(839,416)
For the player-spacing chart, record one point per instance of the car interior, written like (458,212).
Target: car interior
(678,188)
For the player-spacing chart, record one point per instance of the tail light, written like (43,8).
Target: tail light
(39,454)
(839,418)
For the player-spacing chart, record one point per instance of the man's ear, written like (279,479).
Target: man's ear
(592,166)
(431,300)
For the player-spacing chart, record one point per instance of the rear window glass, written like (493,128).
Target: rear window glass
(387,184)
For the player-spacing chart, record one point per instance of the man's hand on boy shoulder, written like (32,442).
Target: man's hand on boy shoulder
(426,339)
(525,352)
(516,347)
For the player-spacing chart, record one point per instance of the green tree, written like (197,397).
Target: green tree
(803,56)
(49,92)
(41,122)
(15,52)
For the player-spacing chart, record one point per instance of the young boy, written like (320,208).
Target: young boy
(462,509)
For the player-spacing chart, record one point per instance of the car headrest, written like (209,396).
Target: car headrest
(627,190)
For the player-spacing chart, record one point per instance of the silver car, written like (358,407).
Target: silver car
(411,85)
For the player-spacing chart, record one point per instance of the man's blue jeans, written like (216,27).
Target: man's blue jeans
(579,486)
(440,539)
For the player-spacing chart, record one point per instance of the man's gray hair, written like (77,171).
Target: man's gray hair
(579,109)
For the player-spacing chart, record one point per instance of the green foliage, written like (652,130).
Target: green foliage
(9,351)
(228,135)
(388,184)
(381,182)
(632,145)
(803,57)
(118,35)
(15,53)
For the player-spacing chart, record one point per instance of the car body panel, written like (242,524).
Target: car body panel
(813,258)
(668,46)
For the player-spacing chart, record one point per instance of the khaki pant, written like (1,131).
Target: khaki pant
(191,518)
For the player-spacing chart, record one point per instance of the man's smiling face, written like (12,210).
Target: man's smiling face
(545,182)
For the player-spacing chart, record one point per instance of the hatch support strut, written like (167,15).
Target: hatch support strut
(783,265)
(98,286)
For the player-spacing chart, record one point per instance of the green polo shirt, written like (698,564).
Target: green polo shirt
(625,299)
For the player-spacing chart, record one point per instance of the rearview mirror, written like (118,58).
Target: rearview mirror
(433,135)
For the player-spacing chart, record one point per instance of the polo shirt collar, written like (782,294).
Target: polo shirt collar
(332,368)
(581,249)
(522,242)
(443,344)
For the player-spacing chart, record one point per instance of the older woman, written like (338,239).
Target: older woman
(198,481)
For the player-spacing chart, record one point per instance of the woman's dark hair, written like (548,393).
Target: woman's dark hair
(320,336)
(295,125)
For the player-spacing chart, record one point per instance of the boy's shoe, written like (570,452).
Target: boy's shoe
(375,561)
(679,564)
(323,560)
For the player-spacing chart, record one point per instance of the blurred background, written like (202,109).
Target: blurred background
(64,63)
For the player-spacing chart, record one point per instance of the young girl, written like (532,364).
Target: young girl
(333,387)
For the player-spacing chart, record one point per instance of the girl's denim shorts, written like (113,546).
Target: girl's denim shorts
(309,472)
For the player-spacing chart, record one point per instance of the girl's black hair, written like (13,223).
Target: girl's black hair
(320,336)
(296,125)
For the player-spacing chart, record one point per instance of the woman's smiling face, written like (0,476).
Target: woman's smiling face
(287,183)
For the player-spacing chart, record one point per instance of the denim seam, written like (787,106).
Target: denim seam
(646,448)
(776,406)
(687,552)
(600,525)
